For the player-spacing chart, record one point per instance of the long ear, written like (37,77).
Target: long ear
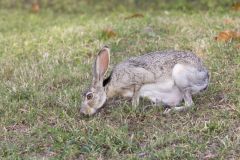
(101,65)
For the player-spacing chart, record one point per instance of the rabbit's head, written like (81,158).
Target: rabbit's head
(96,96)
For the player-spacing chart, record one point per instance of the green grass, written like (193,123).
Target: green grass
(46,62)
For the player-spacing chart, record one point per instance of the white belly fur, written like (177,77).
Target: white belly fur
(166,92)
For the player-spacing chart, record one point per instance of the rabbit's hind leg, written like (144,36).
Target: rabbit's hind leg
(182,75)
(188,103)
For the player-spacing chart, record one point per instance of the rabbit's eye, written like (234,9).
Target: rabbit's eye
(89,96)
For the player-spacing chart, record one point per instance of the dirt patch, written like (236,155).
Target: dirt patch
(20,128)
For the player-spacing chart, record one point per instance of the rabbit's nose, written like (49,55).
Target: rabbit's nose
(82,110)
(87,110)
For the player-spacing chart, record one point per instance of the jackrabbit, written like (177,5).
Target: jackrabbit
(166,77)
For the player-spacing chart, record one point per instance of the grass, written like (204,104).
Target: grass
(46,61)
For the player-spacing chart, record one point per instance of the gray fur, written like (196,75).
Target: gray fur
(156,66)
(166,76)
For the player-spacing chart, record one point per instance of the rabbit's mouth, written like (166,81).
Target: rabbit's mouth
(87,110)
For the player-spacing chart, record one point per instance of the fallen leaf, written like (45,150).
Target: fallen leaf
(35,7)
(227,36)
(108,33)
(238,46)
(136,15)
(228,21)
(224,36)
(236,6)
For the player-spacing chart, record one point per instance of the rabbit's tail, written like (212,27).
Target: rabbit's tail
(190,78)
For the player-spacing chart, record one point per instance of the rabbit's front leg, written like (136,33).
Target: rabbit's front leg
(136,95)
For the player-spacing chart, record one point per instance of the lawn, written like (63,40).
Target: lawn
(46,63)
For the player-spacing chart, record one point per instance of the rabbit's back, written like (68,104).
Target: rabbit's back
(155,61)
(160,76)
(152,67)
